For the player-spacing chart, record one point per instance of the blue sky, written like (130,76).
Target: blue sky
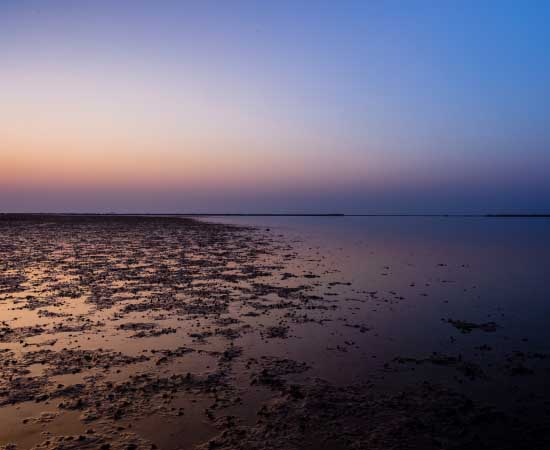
(275,106)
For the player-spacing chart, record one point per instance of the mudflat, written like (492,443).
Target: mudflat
(129,332)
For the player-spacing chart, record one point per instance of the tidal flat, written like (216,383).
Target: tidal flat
(143,332)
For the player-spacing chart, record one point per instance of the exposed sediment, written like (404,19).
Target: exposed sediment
(122,320)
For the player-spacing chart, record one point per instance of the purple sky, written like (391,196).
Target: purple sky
(353,107)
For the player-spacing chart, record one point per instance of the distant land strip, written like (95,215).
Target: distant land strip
(504,215)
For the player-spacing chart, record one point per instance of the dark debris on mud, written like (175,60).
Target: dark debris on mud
(183,292)
(427,416)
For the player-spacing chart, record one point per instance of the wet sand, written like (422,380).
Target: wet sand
(172,333)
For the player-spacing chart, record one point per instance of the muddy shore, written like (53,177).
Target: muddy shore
(172,333)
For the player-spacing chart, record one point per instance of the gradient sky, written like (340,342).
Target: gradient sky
(286,106)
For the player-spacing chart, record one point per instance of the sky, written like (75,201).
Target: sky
(280,107)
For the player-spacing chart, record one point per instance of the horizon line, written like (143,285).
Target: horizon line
(488,215)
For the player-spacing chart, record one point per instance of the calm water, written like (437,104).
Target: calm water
(425,271)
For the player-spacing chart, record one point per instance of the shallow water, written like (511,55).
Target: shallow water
(254,315)
(426,270)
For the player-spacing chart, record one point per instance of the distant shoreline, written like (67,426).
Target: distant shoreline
(505,215)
